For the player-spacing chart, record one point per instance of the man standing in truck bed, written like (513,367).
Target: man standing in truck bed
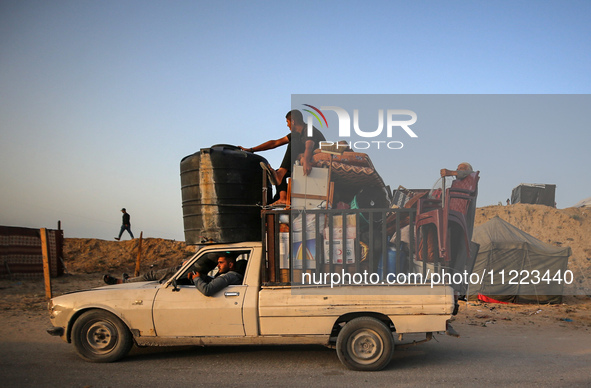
(298,143)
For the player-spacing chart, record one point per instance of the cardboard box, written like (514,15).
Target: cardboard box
(339,251)
(298,254)
(337,227)
(284,250)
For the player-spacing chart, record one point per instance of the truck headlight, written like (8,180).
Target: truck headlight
(53,309)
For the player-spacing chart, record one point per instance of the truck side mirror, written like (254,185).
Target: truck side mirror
(175,288)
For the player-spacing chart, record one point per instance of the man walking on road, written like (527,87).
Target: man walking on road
(126,225)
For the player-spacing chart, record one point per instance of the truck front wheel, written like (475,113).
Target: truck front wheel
(99,336)
(366,344)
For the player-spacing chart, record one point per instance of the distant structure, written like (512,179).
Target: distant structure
(538,194)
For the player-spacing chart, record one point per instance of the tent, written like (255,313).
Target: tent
(584,203)
(513,256)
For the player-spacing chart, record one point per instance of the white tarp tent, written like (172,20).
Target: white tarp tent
(584,203)
(503,247)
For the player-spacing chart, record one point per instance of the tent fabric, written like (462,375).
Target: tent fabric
(21,253)
(486,299)
(509,250)
(584,202)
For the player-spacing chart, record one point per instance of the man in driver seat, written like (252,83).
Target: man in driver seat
(227,275)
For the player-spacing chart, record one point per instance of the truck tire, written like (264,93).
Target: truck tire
(366,344)
(100,336)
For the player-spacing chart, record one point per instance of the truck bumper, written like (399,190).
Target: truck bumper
(56,331)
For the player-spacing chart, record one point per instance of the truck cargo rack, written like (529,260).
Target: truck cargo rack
(315,247)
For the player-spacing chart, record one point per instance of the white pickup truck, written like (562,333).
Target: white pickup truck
(360,321)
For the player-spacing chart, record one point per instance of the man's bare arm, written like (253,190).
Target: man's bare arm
(268,145)
(308,153)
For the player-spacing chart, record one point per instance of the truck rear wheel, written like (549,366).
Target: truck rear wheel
(365,343)
(100,336)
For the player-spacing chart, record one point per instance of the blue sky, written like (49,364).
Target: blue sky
(99,101)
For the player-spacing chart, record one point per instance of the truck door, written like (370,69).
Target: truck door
(188,313)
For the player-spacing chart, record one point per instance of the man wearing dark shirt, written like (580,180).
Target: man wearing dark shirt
(126,224)
(226,276)
(298,143)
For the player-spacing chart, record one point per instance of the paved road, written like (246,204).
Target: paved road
(497,355)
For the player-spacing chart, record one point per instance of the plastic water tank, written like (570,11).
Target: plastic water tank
(221,189)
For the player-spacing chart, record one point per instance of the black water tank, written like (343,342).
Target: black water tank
(221,190)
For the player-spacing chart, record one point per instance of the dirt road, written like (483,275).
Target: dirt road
(500,345)
(488,354)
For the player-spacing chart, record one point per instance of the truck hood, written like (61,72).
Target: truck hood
(123,286)
(131,302)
